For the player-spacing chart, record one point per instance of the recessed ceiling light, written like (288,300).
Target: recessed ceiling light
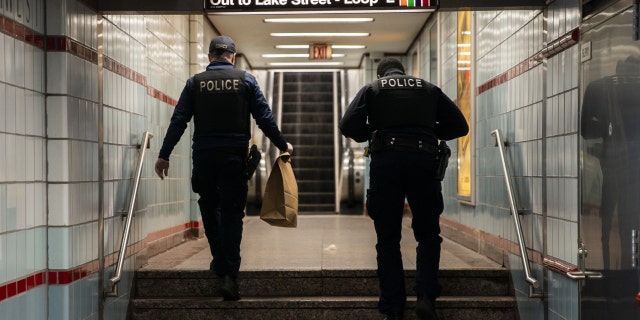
(318,20)
(348,46)
(306,46)
(315,64)
(320,34)
(297,55)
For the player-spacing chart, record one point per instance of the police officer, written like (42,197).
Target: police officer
(403,118)
(220,101)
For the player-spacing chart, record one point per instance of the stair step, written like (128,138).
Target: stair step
(307,117)
(306,128)
(316,95)
(313,139)
(305,86)
(315,186)
(306,106)
(311,308)
(307,174)
(307,77)
(310,162)
(320,151)
(202,283)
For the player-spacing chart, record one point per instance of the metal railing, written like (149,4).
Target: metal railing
(516,217)
(113,282)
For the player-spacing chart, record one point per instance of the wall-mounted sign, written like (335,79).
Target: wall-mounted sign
(585,51)
(319,52)
(213,6)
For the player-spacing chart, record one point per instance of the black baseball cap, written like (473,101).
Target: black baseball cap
(222,43)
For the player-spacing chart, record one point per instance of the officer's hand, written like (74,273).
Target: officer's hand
(162,168)
(289,148)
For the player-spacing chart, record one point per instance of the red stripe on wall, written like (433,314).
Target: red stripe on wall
(21,285)
(69,45)
(65,277)
(21,32)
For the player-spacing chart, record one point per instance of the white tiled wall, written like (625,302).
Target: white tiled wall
(166,50)
(537,113)
(22,161)
(60,175)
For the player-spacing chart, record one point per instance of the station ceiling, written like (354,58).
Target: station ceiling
(387,32)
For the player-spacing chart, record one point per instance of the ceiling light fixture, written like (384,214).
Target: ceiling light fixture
(318,20)
(292,46)
(334,46)
(314,64)
(348,46)
(297,55)
(320,34)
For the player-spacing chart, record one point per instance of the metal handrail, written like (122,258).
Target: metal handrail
(516,217)
(113,282)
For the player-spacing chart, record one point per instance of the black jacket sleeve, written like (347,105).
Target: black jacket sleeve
(354,122)
(181,116)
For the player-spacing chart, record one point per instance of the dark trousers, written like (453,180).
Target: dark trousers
(395,175)
(220,180)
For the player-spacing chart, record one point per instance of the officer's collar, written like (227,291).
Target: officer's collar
(393,72)
(219,62)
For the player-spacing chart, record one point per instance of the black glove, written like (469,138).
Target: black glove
(253,161)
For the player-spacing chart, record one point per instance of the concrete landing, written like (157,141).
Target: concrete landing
(320,242)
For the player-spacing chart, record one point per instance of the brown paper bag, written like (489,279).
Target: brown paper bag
(280,202)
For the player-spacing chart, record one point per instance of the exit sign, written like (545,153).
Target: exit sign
(319,52)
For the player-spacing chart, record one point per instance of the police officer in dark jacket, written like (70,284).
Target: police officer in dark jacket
(220,100)
(403,118)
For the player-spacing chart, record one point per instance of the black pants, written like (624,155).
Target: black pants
(395,175)
(220,180)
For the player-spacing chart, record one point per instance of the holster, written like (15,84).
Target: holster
(253,161)
(442,160)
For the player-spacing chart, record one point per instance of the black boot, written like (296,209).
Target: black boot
(229,289)
(425,308)
(393,316)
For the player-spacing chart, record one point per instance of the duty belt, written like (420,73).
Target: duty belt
(402,143)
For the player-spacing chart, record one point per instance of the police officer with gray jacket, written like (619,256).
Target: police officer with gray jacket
(403,117)
(220,100)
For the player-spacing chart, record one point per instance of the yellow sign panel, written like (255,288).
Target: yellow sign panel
(464,103)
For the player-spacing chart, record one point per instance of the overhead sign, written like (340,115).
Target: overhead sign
(213,6)
(319,52)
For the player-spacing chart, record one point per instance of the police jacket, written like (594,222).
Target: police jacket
(236,94)
(397,103)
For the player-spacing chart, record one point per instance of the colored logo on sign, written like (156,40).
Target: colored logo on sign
(415,3)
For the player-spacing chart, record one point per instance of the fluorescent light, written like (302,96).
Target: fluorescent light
(315,64)
(317,20)
(285,55)
(333,46)
(341,46)
(297,55)
(292,46)
(320,34)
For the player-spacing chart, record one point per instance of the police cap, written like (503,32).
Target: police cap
(222,43)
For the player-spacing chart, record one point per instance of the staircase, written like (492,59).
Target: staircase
(307,123)
(313,295)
